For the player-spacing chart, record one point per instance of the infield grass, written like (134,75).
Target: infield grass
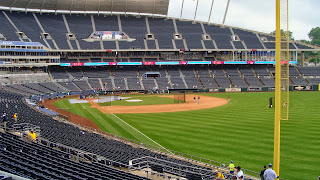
(241,130)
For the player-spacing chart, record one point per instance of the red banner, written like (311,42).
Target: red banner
(77,64)
(217,62)
(149,63)
(113,63)
(183,62)
(250,62)
(284,62)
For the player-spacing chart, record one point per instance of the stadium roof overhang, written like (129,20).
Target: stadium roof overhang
(159,7)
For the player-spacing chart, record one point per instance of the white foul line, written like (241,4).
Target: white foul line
(140,132)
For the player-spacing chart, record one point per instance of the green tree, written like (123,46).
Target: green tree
(283,33)
(314,34)
(315,60)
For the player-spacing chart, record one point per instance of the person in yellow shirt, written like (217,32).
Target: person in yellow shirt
(231,167)
(220,176)
(32,136)
(15,117)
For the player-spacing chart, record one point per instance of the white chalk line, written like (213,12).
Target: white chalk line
(141,133)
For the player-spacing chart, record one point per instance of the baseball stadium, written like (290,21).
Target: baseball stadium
(120,89)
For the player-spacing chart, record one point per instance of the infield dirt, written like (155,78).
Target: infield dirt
(206,102)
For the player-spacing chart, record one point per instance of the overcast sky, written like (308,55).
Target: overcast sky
(256,15)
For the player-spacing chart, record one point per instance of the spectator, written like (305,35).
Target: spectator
(15,107)
(220,176)
(231,167)
(240,173)
(15,117)
(4,120)
(270,174)
(7,106)
(262,172)
(32,136)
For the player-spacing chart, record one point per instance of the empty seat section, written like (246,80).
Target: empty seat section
(163,30)
(134,83)
(253,81)
(179,44)
(301,46)
(26,23)
(50,85)
(297,80)
(54,25)
(237,81)
(83,85)
(222,81)
(7,29)
(268,81)
(37,87)
(177,83)
(262,71)
(151,44)
(96,72)
(207,82)
(313,80)
(120,84)
(308,71)
(69,85)
(192,82)
(135,28)
(249,38)
(149,84)
(192,33)
(209,44)
(107,23)
(222,36)
(76,72)
(81,26)
(95,83)
(238,45)
(107,84)
(163,83)
(58,73)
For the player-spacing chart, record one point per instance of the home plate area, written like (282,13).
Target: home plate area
(104,99)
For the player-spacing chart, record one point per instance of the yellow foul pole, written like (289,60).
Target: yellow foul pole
(276,152)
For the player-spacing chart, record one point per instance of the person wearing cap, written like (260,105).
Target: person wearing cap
(270,174)
(240,173)
(231,167)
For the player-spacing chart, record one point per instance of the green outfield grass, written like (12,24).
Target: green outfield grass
(241,131)
(146,100)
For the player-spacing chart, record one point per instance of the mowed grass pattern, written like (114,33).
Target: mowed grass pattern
(241,131)
(106,122)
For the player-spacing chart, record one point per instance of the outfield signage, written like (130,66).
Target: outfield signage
(302,88)
(172,63)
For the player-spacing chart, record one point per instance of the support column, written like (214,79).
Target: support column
(302,58)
